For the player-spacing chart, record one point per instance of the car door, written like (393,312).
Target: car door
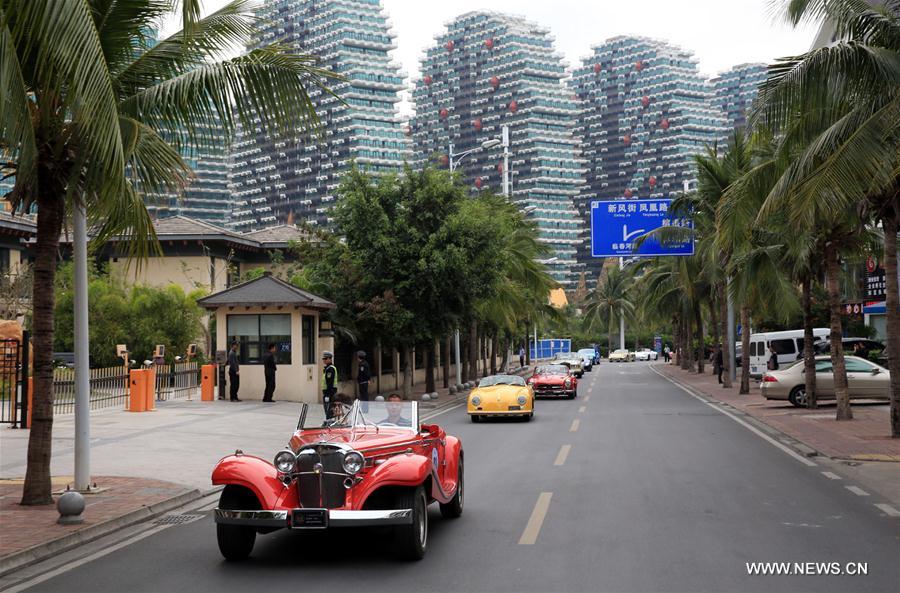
(862,378)
(824,379)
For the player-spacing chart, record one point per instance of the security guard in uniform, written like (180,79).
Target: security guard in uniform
(329,382)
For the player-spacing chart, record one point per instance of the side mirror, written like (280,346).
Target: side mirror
(876,371)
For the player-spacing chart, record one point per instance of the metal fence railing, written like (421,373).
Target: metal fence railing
(176,381)
(108,386)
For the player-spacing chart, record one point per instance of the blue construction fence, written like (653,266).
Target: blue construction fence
(548,348)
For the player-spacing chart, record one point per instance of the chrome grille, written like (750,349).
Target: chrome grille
(326,489)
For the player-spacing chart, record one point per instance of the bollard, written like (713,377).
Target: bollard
(70,507)
(150,390)
(208,382)
(138,396)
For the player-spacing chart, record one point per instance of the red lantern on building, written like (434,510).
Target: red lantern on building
(652,181)
(513,106)
(639,66)
(408,131)
(478,182)
(450,45)
(445,160)
(476,123)
(597,68)
(645,100)
(664,124)
(500,168)
(628,193)
(427,79)
(444,113)
(626,139)
(489,43)
(495,82)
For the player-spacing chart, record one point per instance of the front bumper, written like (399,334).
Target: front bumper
(336,518)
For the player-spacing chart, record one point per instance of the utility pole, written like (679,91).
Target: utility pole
(82,360)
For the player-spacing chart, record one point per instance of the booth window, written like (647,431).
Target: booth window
(254,332)
(309,339)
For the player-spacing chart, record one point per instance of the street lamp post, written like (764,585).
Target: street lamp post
(82,348)
(453,160)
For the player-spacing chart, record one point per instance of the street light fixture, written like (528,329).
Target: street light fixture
(529,209)
(552,260)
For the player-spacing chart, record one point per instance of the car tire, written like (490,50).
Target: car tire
(236,541)
(454,508)
(411,541)
(526,417)
(475,418)
(797,396)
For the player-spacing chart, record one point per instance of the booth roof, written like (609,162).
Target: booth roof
(265,291)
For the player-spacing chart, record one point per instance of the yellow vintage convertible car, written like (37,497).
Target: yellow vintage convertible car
(501,395)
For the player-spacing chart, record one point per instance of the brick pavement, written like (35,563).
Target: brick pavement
(865,438)
(22,527)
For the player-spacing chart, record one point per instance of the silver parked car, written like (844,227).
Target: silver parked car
(571,360)
(865,380)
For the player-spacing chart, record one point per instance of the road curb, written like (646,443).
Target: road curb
(39,552)
(799,447)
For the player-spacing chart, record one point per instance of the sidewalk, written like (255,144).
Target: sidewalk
(181,441)
(865,438)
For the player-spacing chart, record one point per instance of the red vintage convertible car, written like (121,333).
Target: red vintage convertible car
(371,465)
(553,380)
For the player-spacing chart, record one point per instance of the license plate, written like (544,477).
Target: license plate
(309,519)
(515,407)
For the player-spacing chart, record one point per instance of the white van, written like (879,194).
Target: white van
(788,345)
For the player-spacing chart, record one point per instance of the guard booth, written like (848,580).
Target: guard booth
(270,311)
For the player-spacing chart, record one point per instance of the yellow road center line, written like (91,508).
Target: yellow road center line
(582,409)
(533,528)
(562,455)
(575,424)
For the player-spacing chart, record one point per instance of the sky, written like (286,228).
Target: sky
(720,33)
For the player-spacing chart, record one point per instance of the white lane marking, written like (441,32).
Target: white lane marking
(562,455)
(575,424)
(831,476)
(752,429)
(857,490)
(81,561)
(533,528)
(582,409)
(888,509)
(587,398)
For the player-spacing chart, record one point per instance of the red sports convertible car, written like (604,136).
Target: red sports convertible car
(371,465)
(553,380)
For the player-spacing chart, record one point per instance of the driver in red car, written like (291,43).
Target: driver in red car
(394,406)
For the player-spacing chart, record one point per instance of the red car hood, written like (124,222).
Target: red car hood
(549,379)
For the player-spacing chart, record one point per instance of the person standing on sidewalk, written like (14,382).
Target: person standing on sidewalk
(719,366)
(521,356)
(234,370)
(329,382)
(269,368)
(363,376)
(773,359)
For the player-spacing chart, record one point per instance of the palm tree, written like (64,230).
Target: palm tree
(610,299)
(838,109)
(84,105)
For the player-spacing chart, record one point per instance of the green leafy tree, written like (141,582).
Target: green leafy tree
(83,106)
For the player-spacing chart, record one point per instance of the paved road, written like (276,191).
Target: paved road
(645,489)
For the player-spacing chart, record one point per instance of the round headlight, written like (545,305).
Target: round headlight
(353,462)
(522,400)
(568,382)
(285,460)
(476,401)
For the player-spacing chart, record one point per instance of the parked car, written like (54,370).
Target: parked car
(589,354)
(366,467)
(501,395)
(646,354)
(621,355)
(787,344)
(553,380)
(865,380)
(571,360)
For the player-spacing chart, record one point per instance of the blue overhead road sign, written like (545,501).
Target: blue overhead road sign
(616,224)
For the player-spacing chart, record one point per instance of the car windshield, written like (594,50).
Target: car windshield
(501,380)
(552,369)
(390,413)
(563,355)
(586,352)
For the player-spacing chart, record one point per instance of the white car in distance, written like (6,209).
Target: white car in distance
(646,354)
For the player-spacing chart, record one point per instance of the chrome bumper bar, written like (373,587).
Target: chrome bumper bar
(335,518)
